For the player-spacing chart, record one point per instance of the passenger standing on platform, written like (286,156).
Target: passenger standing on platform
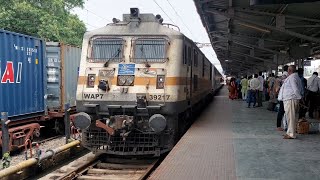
(239,87)
(303,81)
(290,94)
(248,88)
(277,85)
(254,89)
(271,88)
(302,109)
(244,86)
(281,108)
(232,89)
(260,92)
(265,96)
(313,86)
(238,80)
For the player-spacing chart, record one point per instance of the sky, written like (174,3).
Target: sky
(183,13)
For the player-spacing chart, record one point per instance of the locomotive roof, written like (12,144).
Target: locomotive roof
(146,24)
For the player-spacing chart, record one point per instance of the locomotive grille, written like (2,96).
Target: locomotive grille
(137,143)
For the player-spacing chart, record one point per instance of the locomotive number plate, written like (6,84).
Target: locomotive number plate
(158,97)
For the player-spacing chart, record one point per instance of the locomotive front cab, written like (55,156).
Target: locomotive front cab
(123,90)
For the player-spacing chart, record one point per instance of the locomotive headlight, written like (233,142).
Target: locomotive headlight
(160,81)
(91,80)
(125,80)
(130,80)
(122,80)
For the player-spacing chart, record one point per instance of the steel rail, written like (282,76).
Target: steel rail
(32,161)
(140,170)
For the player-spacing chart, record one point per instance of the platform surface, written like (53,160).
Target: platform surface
(230,141)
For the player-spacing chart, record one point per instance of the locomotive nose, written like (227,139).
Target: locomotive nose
(82,120)
(157,123)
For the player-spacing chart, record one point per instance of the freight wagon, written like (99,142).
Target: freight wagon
(37,79)
(62,69)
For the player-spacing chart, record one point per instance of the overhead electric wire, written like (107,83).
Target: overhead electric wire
(92,13)
(164,11)
(96,14)
(206,50)
(180,18)
(82,13)
(91,25)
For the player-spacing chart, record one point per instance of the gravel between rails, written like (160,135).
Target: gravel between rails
(52,144)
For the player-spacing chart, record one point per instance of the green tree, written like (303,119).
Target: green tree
(48,19)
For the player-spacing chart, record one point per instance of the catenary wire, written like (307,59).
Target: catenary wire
(164,11)
(180,18)
(96,14)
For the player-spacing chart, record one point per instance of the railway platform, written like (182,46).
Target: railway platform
(230,141)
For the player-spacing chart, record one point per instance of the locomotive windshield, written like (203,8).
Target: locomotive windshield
(104,49)
(150,50)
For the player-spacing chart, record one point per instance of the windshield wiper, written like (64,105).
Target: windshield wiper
(112,57)
(144,55)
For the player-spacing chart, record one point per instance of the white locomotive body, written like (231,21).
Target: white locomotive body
(139,85)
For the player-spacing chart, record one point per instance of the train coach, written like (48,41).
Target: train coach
(141,81)
(37,79)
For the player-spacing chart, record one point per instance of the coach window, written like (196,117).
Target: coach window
(195,58)
(106,49)
(150,50)
(185,60)
(203,66)
(189,56)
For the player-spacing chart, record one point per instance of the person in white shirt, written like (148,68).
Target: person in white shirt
(290,95)
(254,88)
(313,86)
(260,92)
(281,108)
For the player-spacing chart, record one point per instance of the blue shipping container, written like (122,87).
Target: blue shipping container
(22,70)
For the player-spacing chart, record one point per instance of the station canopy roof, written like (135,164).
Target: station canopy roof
(258,35)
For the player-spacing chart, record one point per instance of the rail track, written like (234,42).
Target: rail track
(90,167)
(43,140)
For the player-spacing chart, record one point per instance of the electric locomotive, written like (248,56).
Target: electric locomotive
(140,81)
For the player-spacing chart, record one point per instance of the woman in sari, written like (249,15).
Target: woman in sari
(232,89)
